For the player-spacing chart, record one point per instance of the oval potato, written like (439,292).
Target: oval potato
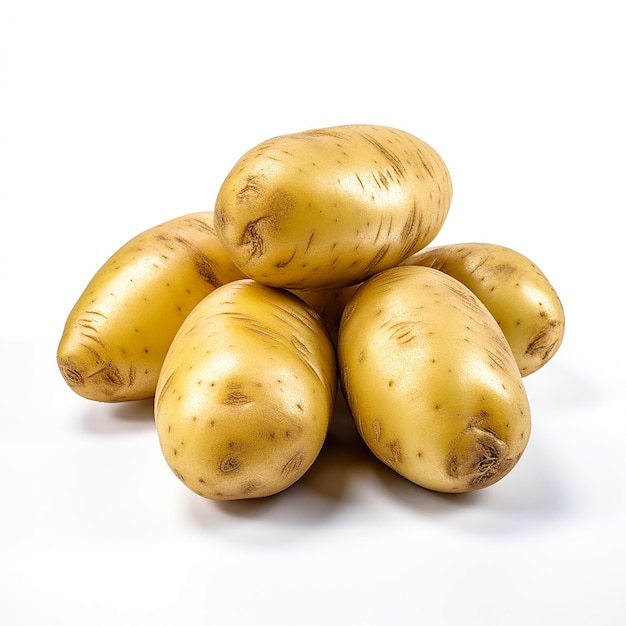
(246,392)
(118,332)
(516,292)
(431,381)
(329,207)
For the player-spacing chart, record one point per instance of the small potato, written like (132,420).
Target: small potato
(513,288)
(118,332)
(246,393)
(431,381)
(329,207)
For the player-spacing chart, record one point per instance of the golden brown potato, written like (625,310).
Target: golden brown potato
(431,382)
(329,207)
(246,392)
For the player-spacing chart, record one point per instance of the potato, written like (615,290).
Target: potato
(246,393)
(329,207)
(118,332)
(431,382)
(516,292)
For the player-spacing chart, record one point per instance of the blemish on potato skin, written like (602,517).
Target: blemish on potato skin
(252,188)
(395,451)
(238,398)
(72,376)
(229,463)
(485,461)
(293,464)
(541,344)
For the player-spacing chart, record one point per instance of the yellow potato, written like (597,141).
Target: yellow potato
(516,292)
(246,392)
(431,382)
(329,207)
(118,332)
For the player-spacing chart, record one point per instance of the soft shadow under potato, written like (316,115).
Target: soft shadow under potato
(118,418)
(343,456)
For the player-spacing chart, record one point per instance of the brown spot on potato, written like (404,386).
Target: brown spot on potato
(293,464)
(503,269)
(252,238)
(206,271)
(395,451)
(478,457)
(251,189)
(229,463)
(541,345)
(72,376)
(238,398)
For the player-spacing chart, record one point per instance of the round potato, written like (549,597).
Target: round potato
(516,292)
(330,207)
(246,393)
(431,382)
(118,332)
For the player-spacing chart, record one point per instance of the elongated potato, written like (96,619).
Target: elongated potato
(329,207)
(516,292)
(118,332)
(431,381)
(246,392)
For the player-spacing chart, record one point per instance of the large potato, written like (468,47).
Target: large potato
(516,292)
(246,393)
(431,381)
(118,332)
(329,207)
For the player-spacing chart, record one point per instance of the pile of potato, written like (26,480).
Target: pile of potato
(313,274)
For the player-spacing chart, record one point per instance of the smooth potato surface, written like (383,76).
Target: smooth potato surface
(329,207)
(431,381)
(246,392)
(516,292)
(118,332)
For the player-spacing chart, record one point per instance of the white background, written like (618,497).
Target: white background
(119,115)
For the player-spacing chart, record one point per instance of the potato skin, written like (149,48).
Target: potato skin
(118,332)
(332,206)
(516,292)
(431,381)
(329,303)
(246,392)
